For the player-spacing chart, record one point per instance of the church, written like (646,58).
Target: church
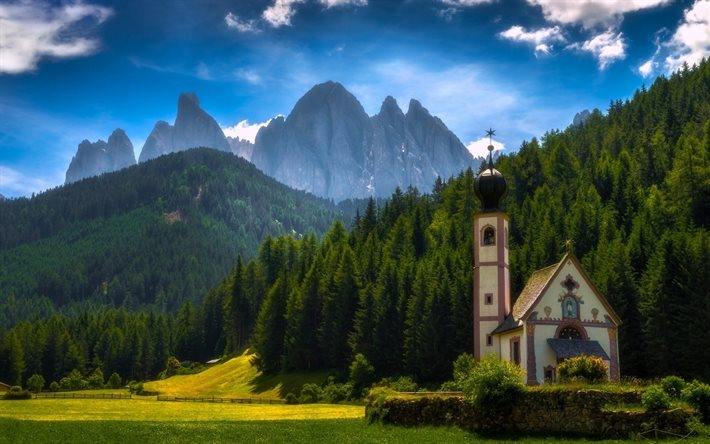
(558,315)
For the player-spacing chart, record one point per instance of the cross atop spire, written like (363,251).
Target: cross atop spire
(490,132)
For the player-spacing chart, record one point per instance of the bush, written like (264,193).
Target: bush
(335,393)
(73,381)
(310,393)
(462,368)
(291,398)
(375,401)
(673,385)
(493,383)
(588,369)
(96,380)
(54,386)
(654,399)
(16,392)
(172,366)
(35,383)
(697,395)
(114,381)
(361,374)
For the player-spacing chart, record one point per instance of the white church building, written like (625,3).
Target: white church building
(558,315)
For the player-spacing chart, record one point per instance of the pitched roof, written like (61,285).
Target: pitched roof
(571,348)
(510,323)
(540,280)
(2,384)
(533,288)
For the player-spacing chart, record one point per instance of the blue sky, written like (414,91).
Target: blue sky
(75,70)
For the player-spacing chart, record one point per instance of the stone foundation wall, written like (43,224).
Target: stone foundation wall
(573,412)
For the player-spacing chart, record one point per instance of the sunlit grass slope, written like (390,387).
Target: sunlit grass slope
(151,410)
(236,378)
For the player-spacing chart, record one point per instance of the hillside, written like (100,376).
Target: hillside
(235,378)
(151,236)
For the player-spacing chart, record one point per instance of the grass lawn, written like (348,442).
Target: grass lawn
(147,421)
(236,378)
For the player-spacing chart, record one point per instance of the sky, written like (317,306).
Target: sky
(73,70)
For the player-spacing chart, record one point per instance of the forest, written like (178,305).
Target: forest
(148,237)
(630,188)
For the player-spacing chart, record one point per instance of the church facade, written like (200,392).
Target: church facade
(558,315)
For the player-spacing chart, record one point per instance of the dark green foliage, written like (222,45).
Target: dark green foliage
(493,383)
(697,395)
(655,398)
(152,236)
(114,381)
(291,398)
(16,392)
(583,368)
(361,373)
(673,385)
(310,393)
(35,383)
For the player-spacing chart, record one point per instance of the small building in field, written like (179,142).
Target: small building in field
(558,315)
(4,387)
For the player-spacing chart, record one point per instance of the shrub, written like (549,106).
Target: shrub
(291,398)
(493,383)
(16,392)
(96,380)
(654,399)
(73,381)
(333,393)
(462,368)
(114,381)
(310,393)
(673,385)
(361,374)
(583,368)
(375,401)
(404,384)
(697,395)
(54,386)
(172,366)
(35,383)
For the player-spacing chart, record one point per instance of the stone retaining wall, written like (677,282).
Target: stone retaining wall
(573,412)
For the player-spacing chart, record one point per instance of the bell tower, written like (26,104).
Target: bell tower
(491,274)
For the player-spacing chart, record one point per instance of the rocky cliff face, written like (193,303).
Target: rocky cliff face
(330,147)
(100,157)
(240,147)
(193,128)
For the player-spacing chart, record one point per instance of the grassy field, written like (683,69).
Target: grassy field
(148,421)
(236,378)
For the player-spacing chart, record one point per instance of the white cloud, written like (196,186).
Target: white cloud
(15,183)
(249,76)
(541,39)
(244,130)
(234,22)
(280,13)
(691,41)
(479,148)
(592,13)
(333,3)
(607,47)
(646,68)
(32,29)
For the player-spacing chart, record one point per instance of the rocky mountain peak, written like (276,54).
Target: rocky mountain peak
(99,157)
(193,128)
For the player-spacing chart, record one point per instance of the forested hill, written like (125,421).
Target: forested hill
(150,236)
(630,189)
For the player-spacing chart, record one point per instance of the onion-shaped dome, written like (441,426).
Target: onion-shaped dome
(490,186)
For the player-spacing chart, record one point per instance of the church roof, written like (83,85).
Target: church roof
(571,348)
(510,323)
(533,288)
(539,282)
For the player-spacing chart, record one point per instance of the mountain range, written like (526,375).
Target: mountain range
(327,145)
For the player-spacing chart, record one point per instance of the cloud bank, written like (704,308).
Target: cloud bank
(32,30)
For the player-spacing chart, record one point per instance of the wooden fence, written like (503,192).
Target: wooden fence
(222,400)
(81,396)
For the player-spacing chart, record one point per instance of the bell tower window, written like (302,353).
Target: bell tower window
(489,236)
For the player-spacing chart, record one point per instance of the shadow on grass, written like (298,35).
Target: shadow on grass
(286,383)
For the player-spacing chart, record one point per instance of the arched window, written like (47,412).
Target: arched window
(570,333)
(489,236)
